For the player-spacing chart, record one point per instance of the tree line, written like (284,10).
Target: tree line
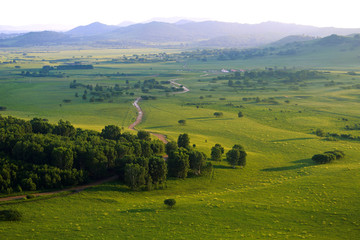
(38,155)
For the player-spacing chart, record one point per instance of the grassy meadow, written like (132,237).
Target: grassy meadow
(280,194)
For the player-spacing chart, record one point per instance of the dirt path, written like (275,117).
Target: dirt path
(178,85)
(75,189)
(140,115)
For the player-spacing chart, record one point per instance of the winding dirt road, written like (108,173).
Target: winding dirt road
(140,115)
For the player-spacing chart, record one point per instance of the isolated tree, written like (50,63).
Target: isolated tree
(232,156)
(184,141)
(182,122)
(218,114)
(319,132)
(240,114)
(134,176)
(236,156)
(170,202)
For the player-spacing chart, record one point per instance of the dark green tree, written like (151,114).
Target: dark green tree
(236,156)
(216,153)
(182,122)
(111,132)
(157,170)
(134,176)
(170,202)
(218,114)
(62,157)
(183,141)
(143,135)
(197,161)
(178,163)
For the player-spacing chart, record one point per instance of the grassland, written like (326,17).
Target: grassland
(280,194)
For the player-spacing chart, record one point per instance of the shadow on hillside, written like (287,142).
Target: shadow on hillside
(160,127)
(140,210)
(109,188)
(222,167)
(198,118)
(291,139)
(217,119)
(300,164)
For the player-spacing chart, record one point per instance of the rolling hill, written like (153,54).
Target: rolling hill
(193,34)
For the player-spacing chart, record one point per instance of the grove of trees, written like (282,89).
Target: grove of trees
(37,155)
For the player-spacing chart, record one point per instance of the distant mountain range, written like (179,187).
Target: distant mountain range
(183,33)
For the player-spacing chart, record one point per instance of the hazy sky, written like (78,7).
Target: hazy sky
(72,13)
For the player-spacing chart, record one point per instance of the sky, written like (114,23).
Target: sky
(67,14)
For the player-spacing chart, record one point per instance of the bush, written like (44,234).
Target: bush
(170,202)
(327,157)
(30,196)
(10,215)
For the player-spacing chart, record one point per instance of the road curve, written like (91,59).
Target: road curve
(140,115)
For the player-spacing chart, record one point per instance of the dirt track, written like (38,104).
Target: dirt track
(140,115)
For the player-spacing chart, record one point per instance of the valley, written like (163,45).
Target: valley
(301,102)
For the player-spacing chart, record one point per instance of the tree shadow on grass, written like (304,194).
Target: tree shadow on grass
(109,188)
(160,127)
(222,167)
(292,139)
(139,210)
(198,118)
(299,164)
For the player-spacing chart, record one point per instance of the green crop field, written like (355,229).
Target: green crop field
(280,194)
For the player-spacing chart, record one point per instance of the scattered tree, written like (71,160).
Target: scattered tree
(216,152)
(182,122)
(170,202)
(218,114)
(236,156)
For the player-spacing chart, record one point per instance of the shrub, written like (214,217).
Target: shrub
(10,215)
(327,157)
(320,132)
(30,196)
(170,202)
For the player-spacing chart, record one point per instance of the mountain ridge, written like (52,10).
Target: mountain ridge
(183,32)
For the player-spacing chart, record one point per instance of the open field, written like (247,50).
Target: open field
(280,194)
